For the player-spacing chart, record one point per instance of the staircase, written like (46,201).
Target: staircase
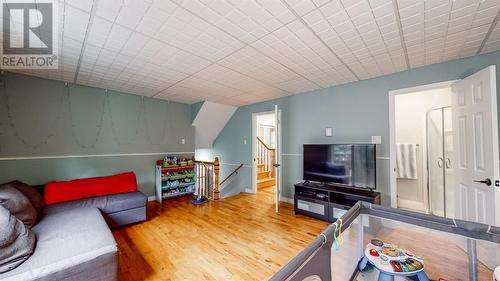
(265,169)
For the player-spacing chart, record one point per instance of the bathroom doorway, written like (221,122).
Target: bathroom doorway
(424,151)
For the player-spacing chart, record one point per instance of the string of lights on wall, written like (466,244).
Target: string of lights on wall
(105,108)
(17,134)
(72,123)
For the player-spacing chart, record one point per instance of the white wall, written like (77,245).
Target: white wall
(410,123)
(266,120)
(266,125)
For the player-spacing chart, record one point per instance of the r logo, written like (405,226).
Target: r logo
(27,28)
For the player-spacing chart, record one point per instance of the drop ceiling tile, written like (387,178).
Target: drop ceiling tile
(132,13)
(75,23)
(240,52)
(117,38)
(109,9)
(99,32)
(85,5)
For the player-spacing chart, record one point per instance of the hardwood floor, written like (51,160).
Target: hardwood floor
(238,238)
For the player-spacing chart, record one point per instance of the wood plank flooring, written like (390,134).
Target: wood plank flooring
(238,238)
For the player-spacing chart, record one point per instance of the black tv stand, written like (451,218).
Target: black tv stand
(328,201)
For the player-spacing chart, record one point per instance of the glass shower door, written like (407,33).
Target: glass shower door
(435,163)
(449,194)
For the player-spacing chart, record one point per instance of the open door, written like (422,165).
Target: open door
(277,162)
(475,137)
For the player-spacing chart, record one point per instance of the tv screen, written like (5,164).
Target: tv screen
(351,165)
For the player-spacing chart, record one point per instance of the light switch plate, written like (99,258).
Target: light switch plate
(244,141)
(376,139)
(328,131)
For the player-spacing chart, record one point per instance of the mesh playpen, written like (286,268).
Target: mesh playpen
(371,242)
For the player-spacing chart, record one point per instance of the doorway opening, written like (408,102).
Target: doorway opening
(266,152)
(264,147)
(424,151)
(444,148)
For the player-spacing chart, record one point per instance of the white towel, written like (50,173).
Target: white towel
(406,161)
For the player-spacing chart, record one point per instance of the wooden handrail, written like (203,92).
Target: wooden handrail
(264,144)
(204,162)
(232,173)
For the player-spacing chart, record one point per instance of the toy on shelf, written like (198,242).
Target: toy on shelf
(392,261)
(169,162)
(175,176)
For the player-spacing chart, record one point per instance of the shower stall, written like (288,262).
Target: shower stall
(439,143)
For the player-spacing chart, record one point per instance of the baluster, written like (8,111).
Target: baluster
(216,178)
(264,157)
(202,180)
(207,180)
(268,162)
(258,152)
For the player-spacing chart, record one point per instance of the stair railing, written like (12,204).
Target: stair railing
(207,179)
(235,172)
(265,156)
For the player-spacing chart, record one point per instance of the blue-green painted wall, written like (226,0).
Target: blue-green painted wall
(356,111)
(44,118)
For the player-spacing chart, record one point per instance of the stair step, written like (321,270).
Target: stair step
(265,182)
(263,175)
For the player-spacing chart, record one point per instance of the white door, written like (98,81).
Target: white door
(475,138)
(277,164)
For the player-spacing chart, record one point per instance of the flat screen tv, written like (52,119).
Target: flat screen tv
(351,165)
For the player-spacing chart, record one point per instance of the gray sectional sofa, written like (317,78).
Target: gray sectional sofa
(74,240)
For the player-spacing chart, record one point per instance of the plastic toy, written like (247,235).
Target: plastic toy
(392,261)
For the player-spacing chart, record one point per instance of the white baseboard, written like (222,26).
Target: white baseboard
(151,198)
(286,199)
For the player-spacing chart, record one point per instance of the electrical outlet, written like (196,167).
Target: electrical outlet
(183,141)
(244,141)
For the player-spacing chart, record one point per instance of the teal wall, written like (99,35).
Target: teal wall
(356,111)
(45,119)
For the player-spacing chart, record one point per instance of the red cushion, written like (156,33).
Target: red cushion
(61,191)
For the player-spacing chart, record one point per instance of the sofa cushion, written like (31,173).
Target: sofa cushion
(107,204)
(17,242)
(17,204)
(91,187)
(65,240)
(31,193)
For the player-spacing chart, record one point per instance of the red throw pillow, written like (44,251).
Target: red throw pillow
(61,191)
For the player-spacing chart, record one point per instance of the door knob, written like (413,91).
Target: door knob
(440,162)
(486,181)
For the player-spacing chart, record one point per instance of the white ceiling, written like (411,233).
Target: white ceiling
(245,51)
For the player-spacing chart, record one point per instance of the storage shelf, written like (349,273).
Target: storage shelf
(176,168)
(177,194)
(183,184)
(174,181)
